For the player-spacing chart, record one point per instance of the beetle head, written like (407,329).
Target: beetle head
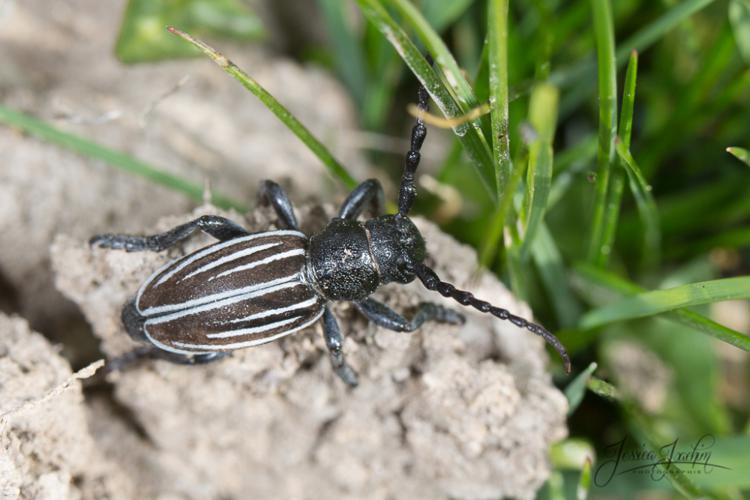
(397,246)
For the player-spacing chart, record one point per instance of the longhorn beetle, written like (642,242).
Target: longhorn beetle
(252,288)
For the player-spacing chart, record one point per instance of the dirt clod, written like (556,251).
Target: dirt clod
(465,412)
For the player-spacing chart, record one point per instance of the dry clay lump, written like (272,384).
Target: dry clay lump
(463,412)
(46,449)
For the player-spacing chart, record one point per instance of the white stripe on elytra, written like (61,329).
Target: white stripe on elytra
(231,257)
(274,312)
(203,253)
(218,299)
(254,329)
(165,347)
(251,265)
(220,246)
(240,345)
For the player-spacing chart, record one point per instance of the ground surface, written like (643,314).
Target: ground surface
(466,412)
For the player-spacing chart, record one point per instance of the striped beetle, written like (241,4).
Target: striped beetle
(252,288)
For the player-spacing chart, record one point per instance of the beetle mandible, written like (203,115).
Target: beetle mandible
(252,288)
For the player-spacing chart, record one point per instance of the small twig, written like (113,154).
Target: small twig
(164,96)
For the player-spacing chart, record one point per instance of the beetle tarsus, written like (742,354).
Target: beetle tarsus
(334,342)
(273,194)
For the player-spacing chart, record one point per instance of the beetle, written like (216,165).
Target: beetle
(252,288)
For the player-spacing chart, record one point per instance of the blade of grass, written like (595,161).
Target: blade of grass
(497,35)
(549,263)
(646,207)
(121,161)
(603,389)
(346,49)
(283,114)
(584,483)
(543,118)
(582,73)
(661,301)
(455,80)
(443,13)
(568,165)
(497,55)
(383,61)
(607,71)
(614,196)
(499,219)
(739,17)
(576,389)
(625,131)
(571,453)
(474,143)
(741,154)
(691,319)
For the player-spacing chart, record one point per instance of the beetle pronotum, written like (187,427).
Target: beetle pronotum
(252,288)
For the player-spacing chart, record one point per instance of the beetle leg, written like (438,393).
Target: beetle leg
(189,359)
(369,193)
(219,227)
(384,316)
(123,361)
(334,342)
(272,193)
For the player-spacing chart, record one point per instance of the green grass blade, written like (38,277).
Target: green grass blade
(543,118)
(346,49)
(500,218)
(575,391)
(607,71)
(741,154)
(283,114)
(617,184)
(603,389)
(599,277)
(739,16)
(471,138)
(646,206)
(581,73)
(625,130)
(661,301)
(568,165)
(571,453)
(656,30)
(584,483)
(142,37)
(639,41)
(443,13)
(497,35)
(119,160)
(455,80)
(549,263)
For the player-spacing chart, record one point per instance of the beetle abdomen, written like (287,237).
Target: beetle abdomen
(231,295)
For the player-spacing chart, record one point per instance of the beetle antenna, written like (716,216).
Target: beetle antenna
(432,282)
(408,190)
